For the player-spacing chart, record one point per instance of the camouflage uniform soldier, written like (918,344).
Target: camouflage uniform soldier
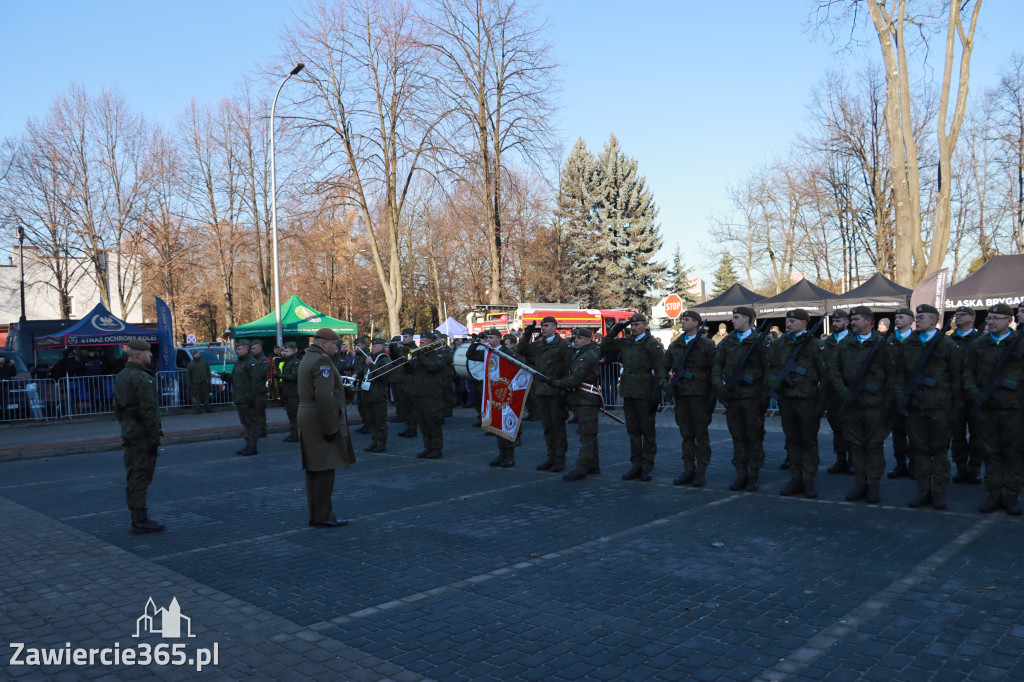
(550,356)
(866,412)
(260,373)
(801,400)
(966,448)
(585,378)
(241,392)
(745,405)
(375,400)
(289,382)
(840,320)
(137,410)
(640,354)
(904,320)
(198,375)
(424,374)
(998,397)
(930,407)
(694,399)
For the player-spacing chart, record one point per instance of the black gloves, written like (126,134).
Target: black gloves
(530,329)
(329,437)
(619,326)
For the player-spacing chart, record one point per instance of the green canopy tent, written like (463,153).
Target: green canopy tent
(297,319)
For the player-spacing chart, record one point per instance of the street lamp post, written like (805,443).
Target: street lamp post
(21,256)
(273,206)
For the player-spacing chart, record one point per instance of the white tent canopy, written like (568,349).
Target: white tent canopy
(453,329)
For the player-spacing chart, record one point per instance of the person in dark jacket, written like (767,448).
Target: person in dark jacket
(550,356)
(198,376)
(584,381)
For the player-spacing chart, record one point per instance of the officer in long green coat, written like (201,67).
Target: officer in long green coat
(640,355)
(746,400)
(999,408)
(324,439)
(260,374)
(550,356)
(690,384)
(137,409)
(198,375)
(801,399)
(866,408)
(375,400)
(289,384)
(242,390)
(586,401)
(931,406)
(425,374)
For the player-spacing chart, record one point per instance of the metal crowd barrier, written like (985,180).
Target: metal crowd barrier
(175,391)
(28,400)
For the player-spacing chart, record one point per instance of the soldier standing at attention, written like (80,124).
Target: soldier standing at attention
(801,399)
(966,450)
(289,383)
(585,382)
(745,404)
(866,410)
(640,355)
(137,410)
(242,390)
(840,320)
(492,337)
(375,408)
(400,383)
(198,375)
(690,383)
(424,375)
(997,392)
(359,354)
(323,427)
(448,385)
(260,374)
(904,320)
(550,356)
(929,408)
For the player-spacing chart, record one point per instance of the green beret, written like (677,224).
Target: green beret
(863,311)
(930,309)
(798,314)
(1001,309)
(744,310)
(139,344)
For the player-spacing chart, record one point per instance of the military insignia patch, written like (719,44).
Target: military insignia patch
(326,373)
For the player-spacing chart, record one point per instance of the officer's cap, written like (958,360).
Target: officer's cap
(863,311)
(362,339)
(584,332)
(744,310)
(409,331)
(326,334)
(839,313)
(693,315)
(378,341)
(965,309)
(929,309)
(242,342)
(429,335)
(492,332)
(290,344)
(139,344)
(905,311)
(549,319)
(799,314)
(257,342)
(638,317)
(1001,309)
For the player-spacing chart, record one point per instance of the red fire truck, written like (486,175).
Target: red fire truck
(508,318)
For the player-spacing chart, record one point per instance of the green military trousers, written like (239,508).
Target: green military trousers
(801,419)
(693,417)
(866,429)
(930,432)
(586,419)
(139,465)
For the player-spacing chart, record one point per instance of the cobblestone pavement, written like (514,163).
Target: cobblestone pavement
(452,570)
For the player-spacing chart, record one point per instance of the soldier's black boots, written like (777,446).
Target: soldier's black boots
(370,448)
(546,464)
(557,468)
(291,438)
(685,479)
(962,475)
(921,499)
(874,495)
(496,461)
(363,429)
(1012,505)
(840,466)
(645,475)
(634,472)
(408,433)
(247,451)
(379,447)
(147,526)
(594,470)
(208,409)
(992,502)
(859,492)
(574,475)
(785,464)
(939,499)
(795,486)
(752,482)
(507,462)
(740,483)
(900,471)
(699,479)
(433,454)
(423,453)
(810,491)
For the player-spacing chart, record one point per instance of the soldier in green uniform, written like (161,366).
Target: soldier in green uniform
(138,412)
(839,321)
(745,403)
(966,449)
(260,374)
(929,408)
(242,390)
(492,337)
(198,376)
(324,439)
(690,383)
(1001,429)
(400,384)
(585,382)
(640,355)
(448,385)
(904,330)
(288,377)
(359,356)
(801,399)
(375,400)
(550,356)
(866,411)
(424,374)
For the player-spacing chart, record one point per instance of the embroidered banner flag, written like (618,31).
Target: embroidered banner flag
(505,389)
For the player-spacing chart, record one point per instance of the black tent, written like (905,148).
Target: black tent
(878,293)
(720,307)
(1000,280)
(803,294)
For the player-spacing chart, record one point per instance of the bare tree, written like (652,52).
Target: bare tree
(1008,128)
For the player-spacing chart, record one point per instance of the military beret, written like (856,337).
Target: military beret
(744,310)
(839,313)
(290,344)
(693,315)
(492,332)
(378,341)
(1001,309)
(584,332)
(362,339)
(409,331)
(139,344)
(863,311)
(905,311)
(549,319)
(242,342)
(638,317)
(326,334)
(926,308)
(965,309)
(798,314)
(256,342)
(429,335)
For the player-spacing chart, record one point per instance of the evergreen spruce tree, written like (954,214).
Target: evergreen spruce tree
(725,275)
(676,282)
(630,237)
(581,259)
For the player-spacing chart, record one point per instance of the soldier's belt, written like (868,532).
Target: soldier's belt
(590,388)
(627,370)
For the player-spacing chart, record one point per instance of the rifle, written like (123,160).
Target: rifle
(681,372)
(738,374)
(967,346)
(791,366)
(860,381)
(995,378)
(918,379)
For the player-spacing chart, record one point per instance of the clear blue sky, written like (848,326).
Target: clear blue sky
(698,92)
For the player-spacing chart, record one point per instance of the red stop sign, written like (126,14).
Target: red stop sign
(673,306)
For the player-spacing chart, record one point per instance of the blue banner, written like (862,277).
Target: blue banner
(165,332)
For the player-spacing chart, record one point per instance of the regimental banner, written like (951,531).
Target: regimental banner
(165,332)
(505,389)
